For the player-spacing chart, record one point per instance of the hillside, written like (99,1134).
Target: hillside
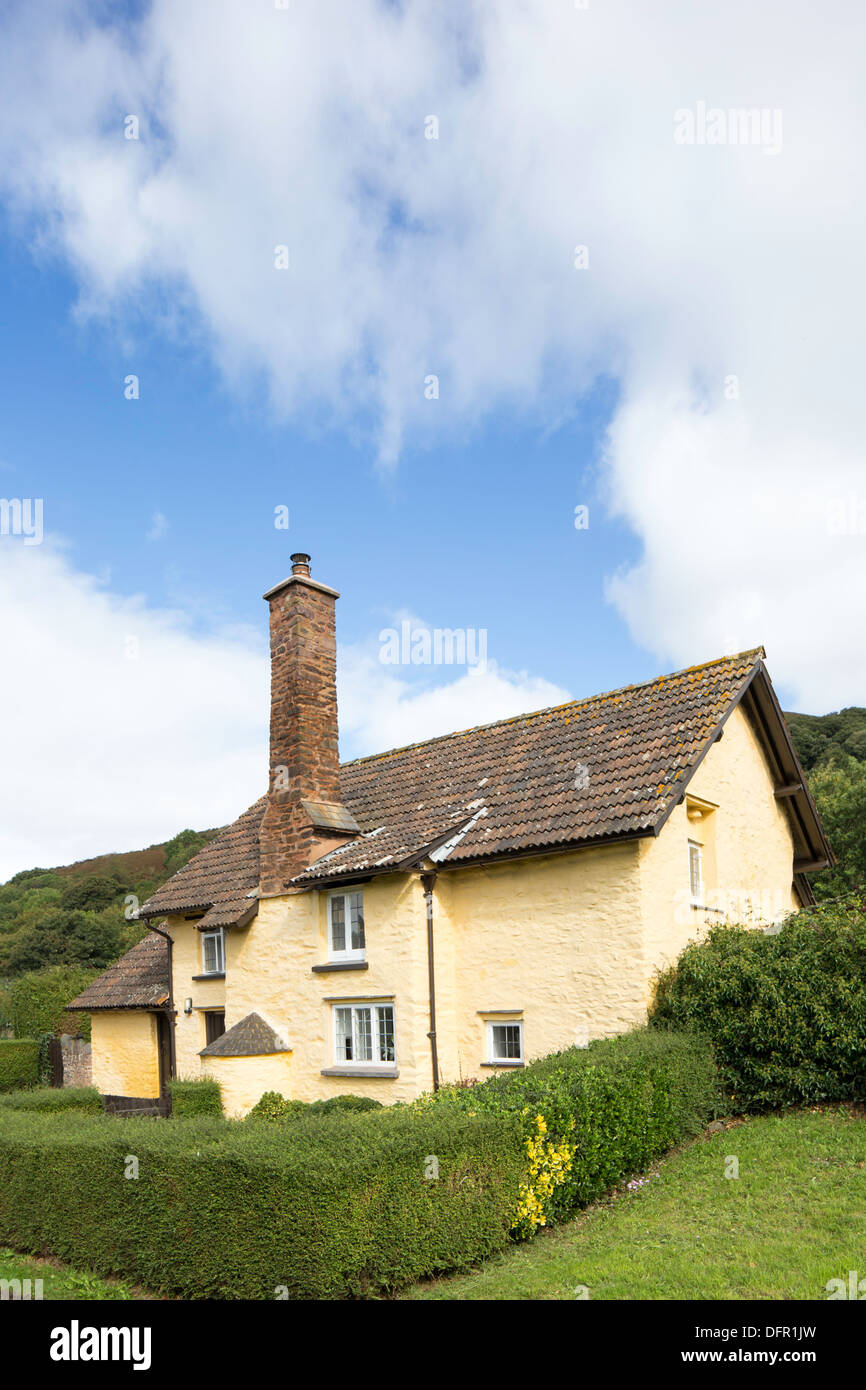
(77,914)
(820,738)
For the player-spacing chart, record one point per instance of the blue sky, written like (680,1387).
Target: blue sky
(474,533)
(664,328)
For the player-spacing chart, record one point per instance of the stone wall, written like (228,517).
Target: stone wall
(77,1067)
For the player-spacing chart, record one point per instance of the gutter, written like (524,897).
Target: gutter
(168,1008)
(427,882)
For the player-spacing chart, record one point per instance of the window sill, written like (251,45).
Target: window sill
(211,975)
(374,1073)
(502,1064)
(340,965)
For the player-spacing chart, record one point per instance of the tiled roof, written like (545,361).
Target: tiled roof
(252,1037)
(139,980)
(222,878)
(599,768)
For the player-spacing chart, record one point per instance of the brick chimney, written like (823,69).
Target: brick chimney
(304,818)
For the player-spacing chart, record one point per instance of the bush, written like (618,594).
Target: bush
(273,1106)
(228,1210)
(195,1097)
(37,1001)
(786,1012)
(592,1116)
(19,1063)
(55,1100)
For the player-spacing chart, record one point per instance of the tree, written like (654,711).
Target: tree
(839,789)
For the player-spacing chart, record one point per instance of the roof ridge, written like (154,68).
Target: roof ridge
(758,652)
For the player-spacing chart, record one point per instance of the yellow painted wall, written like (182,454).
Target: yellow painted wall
(244,1080)
(124,1052)
(558,938)
(187,961)
(270,973)
(748,875)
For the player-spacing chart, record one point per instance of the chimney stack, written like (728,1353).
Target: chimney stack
(304,818)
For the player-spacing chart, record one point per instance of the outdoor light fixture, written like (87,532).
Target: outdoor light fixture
(187,1006)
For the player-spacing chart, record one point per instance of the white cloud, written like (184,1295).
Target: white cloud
(130,724)
(158,527)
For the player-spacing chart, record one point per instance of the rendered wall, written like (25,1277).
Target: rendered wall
(753,851)
(124,1052)
(244,1080)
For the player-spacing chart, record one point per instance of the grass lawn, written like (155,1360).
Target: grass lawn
(794,1218)
(59,1282)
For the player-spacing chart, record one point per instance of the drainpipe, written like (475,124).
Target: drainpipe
(169,1007)
(427,881)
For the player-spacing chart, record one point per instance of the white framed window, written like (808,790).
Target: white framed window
(696,871)
(346,926)
(505,1042)
(364,1035)
(213,953)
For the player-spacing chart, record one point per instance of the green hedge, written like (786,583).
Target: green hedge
(786,1012)
(195,1097)
(38,999)
(274,1106)
(55,1100)
(609,1110)
(222,1209)
(19,1063)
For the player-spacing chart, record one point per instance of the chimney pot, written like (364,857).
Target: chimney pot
(301,564)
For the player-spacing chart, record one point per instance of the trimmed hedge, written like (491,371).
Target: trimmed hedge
(55,1100)
(222,1209)
(274,1106)
(786,1011)
(195,1097)
(19,1063)
(593,1116)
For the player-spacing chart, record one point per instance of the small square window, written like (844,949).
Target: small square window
(346,939)
(505,1042)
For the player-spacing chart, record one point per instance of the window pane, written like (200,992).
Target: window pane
(344,1035)
(356,914)
(338,923)
(363,1036)
(386,1033)
(210,952)
(695,870)
(506,1041)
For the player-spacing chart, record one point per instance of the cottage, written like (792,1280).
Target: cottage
(459,906)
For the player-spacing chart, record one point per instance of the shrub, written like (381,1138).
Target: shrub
(55,1100)
(335,1103)
(591,1116)
(19,1063)
(197,1096)
(786,1012)
(37,1001)
(273,1106)
(229,1210)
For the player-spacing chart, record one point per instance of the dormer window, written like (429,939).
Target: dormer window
(213,953)
(346,926)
